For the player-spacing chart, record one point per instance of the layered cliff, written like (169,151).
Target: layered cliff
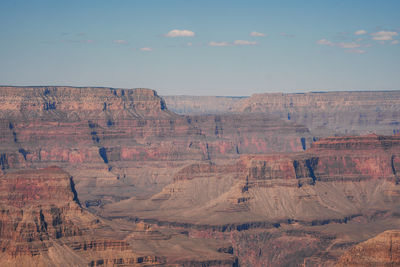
(119,142)
(270,205)
(43,224)
(337,178)
(329,113)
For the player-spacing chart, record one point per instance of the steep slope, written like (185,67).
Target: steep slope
(269,206)
(337,179)
(382,250)
(43,224)
(328,113)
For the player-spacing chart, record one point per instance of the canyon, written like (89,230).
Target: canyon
(324,113)
(108,176)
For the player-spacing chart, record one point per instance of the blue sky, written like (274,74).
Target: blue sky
(202,47)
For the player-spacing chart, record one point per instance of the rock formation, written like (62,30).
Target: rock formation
(251,187)
(118,143)
(42,223)
(329,113)
(338,181)
(382,250)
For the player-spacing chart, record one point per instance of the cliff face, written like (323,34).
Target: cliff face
(382,250)
(113,140)
(199,190)
(269,206)
(43,224)
(326,113)
(336,177)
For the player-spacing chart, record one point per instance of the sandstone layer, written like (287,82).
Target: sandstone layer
(329,113)
(43,224)
(251,187)
(324,113)
(264,202)
(118,143)
(337,179)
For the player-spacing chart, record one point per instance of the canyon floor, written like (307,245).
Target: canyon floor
(108,176)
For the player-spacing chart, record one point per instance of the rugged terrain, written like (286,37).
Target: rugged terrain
(118,143)
(245,184)
(324,113)
(339,183)
(43,224)
(382,250)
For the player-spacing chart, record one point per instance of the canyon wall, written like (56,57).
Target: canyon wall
(283,201)
(329,113)
(249,186)
(324,113)
(118,143)
(43,224)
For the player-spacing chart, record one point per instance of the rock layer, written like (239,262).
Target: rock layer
(43,224)
(382,250)
(118,142)
(329,113)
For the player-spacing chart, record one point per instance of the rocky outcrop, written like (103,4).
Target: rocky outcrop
(382,250)
(329,113)
(42,223)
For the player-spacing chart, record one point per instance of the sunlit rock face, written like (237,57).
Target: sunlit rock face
(249,186)
(118,142)
(270,205)
(43,224)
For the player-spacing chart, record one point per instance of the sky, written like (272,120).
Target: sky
(207,47)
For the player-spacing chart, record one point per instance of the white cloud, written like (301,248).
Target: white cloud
(351,45)
(212,43)
(325,42)
(179,33)
(395,42)
(257,34)
(360,32)
(120,42)
(146,49)
(244,42)
(384,35)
